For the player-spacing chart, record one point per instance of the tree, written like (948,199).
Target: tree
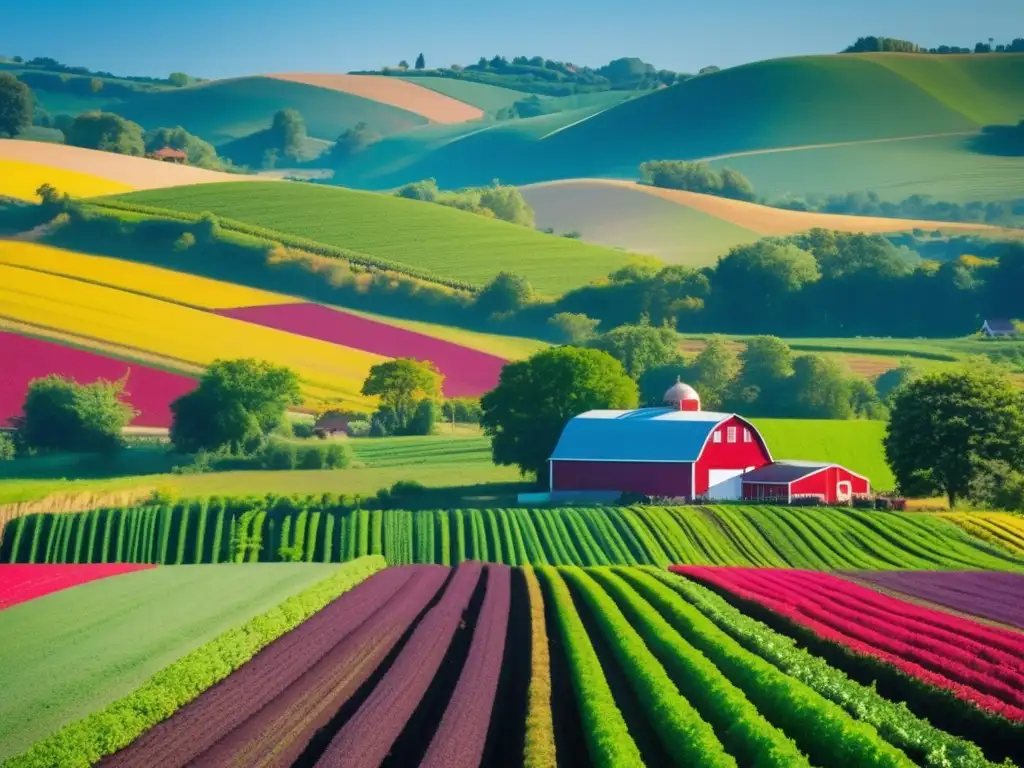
(237,403)
(997,485)
(766,362)
(424,417)
(403,65)
(758,280)
(505,293)
(352,141)
(640,347)
(895,378)
(179,79)
(713,372)
(943,424)
(15,105)
(819,389)
(106,131)
(401,384)
(535,398)
(200,153)
(573,327)
(61,414)
(425,190)
(421,63)
(508,204)
(289,131)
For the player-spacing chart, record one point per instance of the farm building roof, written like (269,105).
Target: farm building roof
(784,471)
(169,152)
(646,434)
(1001,326)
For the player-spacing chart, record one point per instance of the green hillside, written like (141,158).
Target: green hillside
(443,240)
(489,98)
(789,102)
(228,109)
(943,167)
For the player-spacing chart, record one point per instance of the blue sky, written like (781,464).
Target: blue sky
(221,38)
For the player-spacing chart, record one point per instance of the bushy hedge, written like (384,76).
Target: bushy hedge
(283,454)
(85,742)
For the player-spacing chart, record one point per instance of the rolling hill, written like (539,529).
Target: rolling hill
(82,172)
(791,102)
(442,240)
(686,227)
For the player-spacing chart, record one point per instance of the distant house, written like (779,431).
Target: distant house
(999,329)
(331,424)
(169,155)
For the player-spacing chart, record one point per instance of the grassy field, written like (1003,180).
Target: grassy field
(432,237)
(489,98)
(857,445)
(755,107)
(943,167)
(21,180)
(223,110)
(75,651)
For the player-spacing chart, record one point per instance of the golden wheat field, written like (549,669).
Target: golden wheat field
(137,278)
(20,180)
(997,527)
(190,335)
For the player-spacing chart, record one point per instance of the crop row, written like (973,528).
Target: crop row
(950,668)
(487,665)
(1002,528)
(217,530)
(272,237)
(994,596)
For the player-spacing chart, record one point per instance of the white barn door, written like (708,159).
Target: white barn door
(725,484)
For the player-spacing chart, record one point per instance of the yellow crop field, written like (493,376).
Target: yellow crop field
(996,527)
(21,180)
(139,278)
(190,335)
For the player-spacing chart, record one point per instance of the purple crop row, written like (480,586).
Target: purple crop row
(369,735)
(227,720)
(467,372)
(995,596)
(462,734)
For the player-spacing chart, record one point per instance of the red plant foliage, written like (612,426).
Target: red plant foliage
(149,390)
(367,738)
(979,664)
(467,372)
(19,583)
(462,734)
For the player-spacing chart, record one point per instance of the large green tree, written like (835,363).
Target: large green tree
(640,347)
(713,373)
(236,404)
(61,414)
(943,426)
(535,398)
(402,384)
(106,131)
(15,105)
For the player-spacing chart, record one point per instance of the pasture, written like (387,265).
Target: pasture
(430,237)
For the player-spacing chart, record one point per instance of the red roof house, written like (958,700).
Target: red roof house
(786,480)
(170,155)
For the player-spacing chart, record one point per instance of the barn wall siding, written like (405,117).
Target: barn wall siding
(650,478)
(726,455)
(825,482)
(759,491)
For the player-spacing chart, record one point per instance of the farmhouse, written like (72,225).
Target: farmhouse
(999,329)
(170,155)
(680,451)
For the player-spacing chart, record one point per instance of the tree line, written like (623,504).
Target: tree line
(872,44)
(497,201)
(48,64)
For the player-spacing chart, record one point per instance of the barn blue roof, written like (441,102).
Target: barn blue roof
(646,434)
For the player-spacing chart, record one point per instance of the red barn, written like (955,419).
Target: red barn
(680,451)
(784,480)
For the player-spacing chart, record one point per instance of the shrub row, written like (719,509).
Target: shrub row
(539,748)
(85,742)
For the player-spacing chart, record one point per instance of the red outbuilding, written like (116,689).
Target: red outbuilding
(680,451)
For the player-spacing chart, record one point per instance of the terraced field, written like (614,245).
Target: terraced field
(434,238)
(761,536)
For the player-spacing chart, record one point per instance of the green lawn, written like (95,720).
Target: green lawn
(431,237)
(73,652)
(857,445)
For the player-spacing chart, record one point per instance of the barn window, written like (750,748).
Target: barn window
(732,435)
(717,437)
(747,437)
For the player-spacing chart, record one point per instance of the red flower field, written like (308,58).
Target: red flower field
(467,372)
(980,664)
(149,390)
(19,583)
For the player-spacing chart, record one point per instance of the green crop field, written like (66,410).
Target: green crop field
(223,110)
(943,167)
(856,444)
(74,651)
(489,98)
(443,240)
(813,538)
